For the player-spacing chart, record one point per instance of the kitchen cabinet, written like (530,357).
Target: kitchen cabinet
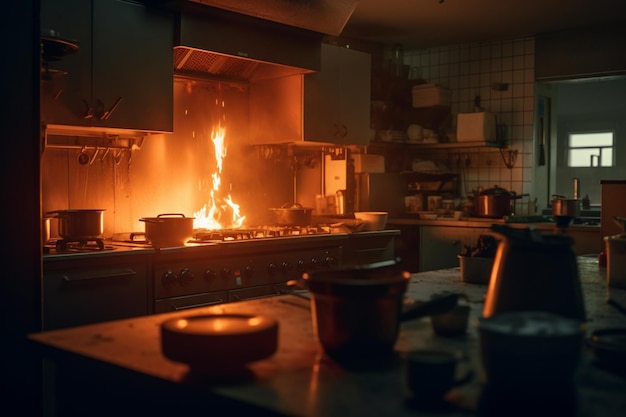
(328,106)
(122,74)
(336,99)
(439,246)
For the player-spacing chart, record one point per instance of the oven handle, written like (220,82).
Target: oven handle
(237,298)
(177,308)
(110,273)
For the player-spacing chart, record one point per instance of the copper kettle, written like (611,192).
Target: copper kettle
(534,271)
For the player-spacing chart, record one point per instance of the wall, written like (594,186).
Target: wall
(174,173)
(470,70)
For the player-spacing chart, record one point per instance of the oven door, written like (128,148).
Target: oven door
(92,290)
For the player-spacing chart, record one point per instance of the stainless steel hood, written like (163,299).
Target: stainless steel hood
(222,44)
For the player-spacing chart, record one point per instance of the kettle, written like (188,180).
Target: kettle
(534,271)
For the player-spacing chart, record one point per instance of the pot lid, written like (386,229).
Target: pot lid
(496,191)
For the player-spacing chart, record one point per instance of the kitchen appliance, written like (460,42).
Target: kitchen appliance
(534,271)
(380,192)
(256,49)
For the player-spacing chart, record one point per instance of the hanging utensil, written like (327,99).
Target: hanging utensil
(83,157)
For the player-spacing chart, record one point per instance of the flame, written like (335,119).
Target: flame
(213,214)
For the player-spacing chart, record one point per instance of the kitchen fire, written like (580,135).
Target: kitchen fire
(198,206)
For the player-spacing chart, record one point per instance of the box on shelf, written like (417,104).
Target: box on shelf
(476,127)
(475,269)
(429,95)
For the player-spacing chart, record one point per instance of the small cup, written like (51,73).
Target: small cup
(432,373)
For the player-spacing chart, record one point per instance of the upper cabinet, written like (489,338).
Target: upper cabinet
(328,106)
(121,76)
(337,99)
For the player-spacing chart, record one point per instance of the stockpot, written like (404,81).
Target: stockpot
(80,224)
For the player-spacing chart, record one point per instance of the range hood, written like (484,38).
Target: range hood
(221,44)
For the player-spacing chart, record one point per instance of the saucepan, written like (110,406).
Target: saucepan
(80,224)
(357,311)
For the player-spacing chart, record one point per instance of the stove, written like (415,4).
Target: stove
(232,265)
(215,266)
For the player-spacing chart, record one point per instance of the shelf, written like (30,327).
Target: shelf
(439,145)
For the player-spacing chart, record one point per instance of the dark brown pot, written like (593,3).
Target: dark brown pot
(292,215)
(168,230)
(80,224)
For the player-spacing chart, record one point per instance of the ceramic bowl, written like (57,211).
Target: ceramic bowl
(373,220)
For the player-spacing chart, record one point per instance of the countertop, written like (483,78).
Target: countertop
(486,222)
(299,380)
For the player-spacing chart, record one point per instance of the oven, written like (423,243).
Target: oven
(90,285)
(206,273)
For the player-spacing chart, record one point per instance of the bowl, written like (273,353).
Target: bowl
(428,215)
(530,347)
(372,220)
(219,343)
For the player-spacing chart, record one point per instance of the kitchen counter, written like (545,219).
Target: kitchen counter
(120,364)
(486,222)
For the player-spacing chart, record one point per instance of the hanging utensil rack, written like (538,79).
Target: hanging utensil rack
(85,138)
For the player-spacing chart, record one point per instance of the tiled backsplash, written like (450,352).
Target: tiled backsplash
(501,73)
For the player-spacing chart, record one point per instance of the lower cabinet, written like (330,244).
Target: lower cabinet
(440,245)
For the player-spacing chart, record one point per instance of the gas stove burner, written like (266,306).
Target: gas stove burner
(88,245)
(260,232)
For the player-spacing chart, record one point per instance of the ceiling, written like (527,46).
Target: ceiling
(420,24)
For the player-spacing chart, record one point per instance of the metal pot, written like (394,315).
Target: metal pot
(292,215)
(168,229)
(495,202)
(80,224)
(562,206)
(357,311)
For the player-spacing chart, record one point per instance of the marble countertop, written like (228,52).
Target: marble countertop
(300,380)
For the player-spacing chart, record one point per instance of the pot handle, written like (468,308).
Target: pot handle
(291,205)
(171,215)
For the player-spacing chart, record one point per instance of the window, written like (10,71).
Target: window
(590,149)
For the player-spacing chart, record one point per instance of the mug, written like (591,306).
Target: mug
(431,373)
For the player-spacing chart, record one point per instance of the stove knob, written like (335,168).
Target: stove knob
(248,272)
(285,267)
(186,276)
(169,278)
(227,273)
(271,268)
(314,263)
(210,275)
(330,261)
(301,266)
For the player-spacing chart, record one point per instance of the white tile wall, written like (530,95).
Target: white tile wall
(470,70)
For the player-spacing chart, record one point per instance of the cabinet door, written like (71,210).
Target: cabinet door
(440,245)
(336,99)
(66,83)
(132,66)
(122,75)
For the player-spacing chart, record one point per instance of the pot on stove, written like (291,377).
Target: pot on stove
(168,229)
(80,224)
(291,215)
(495,202)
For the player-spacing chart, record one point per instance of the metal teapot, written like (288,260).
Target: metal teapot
(534,271)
